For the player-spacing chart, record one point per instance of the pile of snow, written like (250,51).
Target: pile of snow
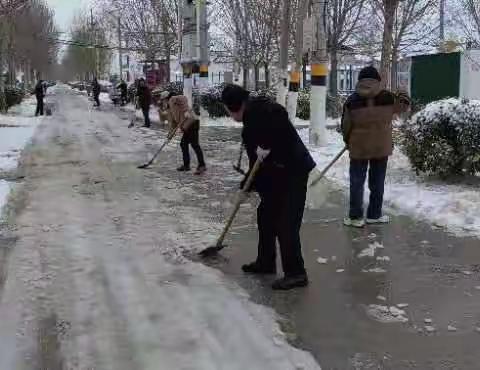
(370,250)
(387,315)
(16,130)
(220,122)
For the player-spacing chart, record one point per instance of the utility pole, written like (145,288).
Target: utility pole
(95,55)
(120,56)
(294,84)
(203,42)
(284,43)
(194,56)
(319,69)
(187,59)
(442,21)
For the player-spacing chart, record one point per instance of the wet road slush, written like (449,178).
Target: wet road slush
(400,296)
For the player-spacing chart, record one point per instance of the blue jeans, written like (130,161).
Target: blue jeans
(376,184)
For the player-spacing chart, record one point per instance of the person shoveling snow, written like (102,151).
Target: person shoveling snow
(281,182)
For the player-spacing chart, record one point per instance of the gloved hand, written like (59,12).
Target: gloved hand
(262,153)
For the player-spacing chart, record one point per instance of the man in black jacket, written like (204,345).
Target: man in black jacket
(96,91)
(281,183)
(144,100)
(123,92)
(39,94)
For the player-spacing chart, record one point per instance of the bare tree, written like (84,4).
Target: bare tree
(27,40)
(412,27)
(150,26)
(88,53)
(406,23)
(8,7)
(251,33)
(343,22)
(466,17)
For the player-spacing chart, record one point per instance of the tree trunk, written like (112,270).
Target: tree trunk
(390,6)
(267,75)
(394,71)
(334,73)
(245,76)
(284,44)
(304,70)
(3,103)
(256,73)
(168,58)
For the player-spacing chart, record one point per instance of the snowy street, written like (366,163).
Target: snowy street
(98,266)
(93,274)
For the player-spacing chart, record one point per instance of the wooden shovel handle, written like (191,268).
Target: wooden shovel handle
(325,170)
(238,203)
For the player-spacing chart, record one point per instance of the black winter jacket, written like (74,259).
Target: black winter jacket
(96,88)
(39,91)
(266,125)
(144,97)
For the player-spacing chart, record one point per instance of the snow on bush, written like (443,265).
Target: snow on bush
(444,138)
(211,101)
(303,104)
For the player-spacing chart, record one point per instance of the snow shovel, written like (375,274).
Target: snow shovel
(238,167)
(326,169)
(212,251)
(134,116)
(318,191)
(133,119)
(169,138)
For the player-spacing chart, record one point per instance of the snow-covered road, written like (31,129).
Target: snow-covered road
(95,278)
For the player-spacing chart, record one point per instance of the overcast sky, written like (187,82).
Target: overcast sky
(65,10)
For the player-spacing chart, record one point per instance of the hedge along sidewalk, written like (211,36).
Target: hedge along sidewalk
(453,207)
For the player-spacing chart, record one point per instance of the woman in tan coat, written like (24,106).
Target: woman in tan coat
(182,117)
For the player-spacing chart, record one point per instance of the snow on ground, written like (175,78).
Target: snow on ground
(16,130)
(104,98)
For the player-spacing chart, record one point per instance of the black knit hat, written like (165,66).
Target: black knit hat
(233,96)
(369,72)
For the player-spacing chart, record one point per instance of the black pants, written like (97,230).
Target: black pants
(96,97)
(146,116)
(376,184)
(191,137)
(39,109)
(279,216)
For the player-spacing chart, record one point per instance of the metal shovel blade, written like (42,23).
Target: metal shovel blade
(211,251)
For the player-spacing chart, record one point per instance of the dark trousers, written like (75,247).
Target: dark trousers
(376,184)
(96,97)
(39,109)
(191,137)
(279,216)
(146,116)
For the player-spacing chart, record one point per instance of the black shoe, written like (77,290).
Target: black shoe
(255,268)
(183,169)
(146,126)
(290,282)
(200,170)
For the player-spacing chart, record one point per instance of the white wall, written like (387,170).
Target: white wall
(470,75)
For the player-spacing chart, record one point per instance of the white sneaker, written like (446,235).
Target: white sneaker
(358,223)
(382,220)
